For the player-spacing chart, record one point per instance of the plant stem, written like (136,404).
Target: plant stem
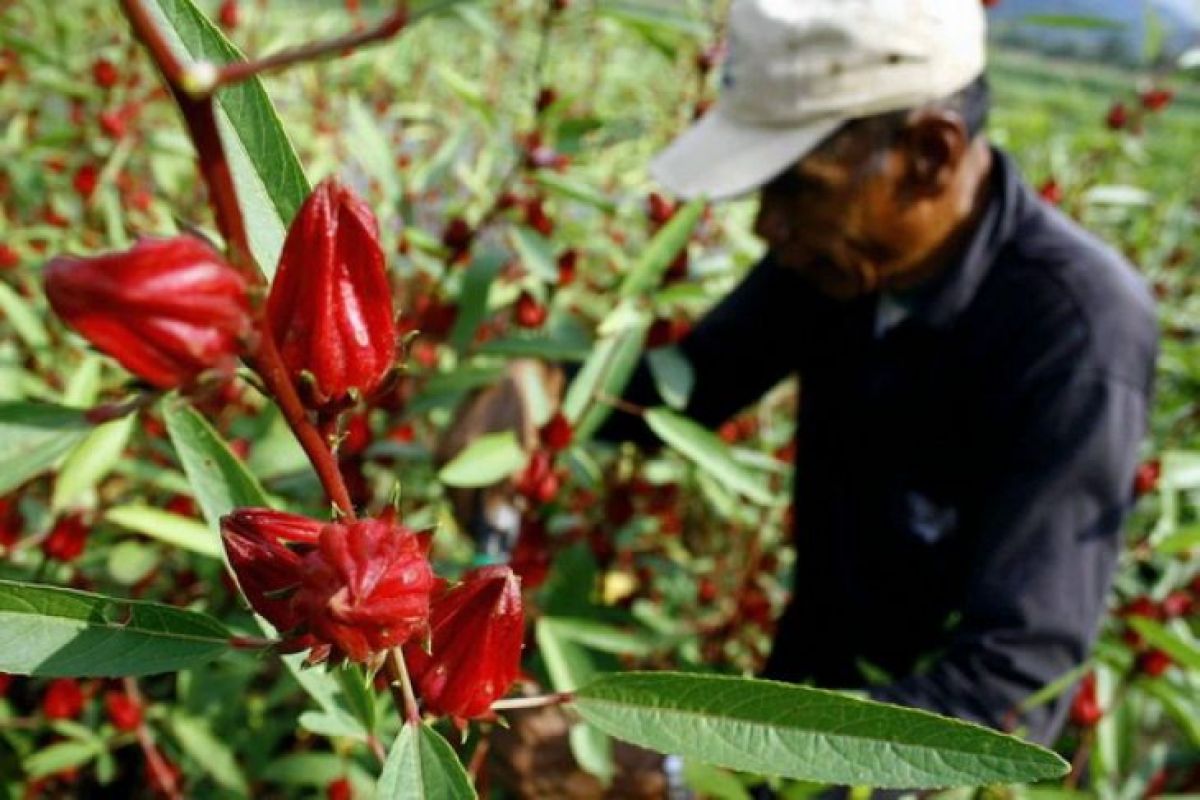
(237,72)
(541,701)
(397,672)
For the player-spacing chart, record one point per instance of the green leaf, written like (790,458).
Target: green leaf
(1073,21)
(535,252)
(1183,540)
(33,436)
(473,298)
(129,562)
(489,459)
(359,695)
(219,479)
(662,250)
(422,766)
(371,149)
(791,731)
(604,375)
(172,529)
(576,190)
(536,346)
(91,461)
(270,181)
(60,756)
(52,632)
(706,449)
(25,322)
(197,739)
(598,636)
(571,666)
(673,375)
(1185,653)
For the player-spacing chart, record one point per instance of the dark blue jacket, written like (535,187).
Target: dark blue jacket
(961,481)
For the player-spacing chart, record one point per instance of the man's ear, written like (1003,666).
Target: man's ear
(934,143)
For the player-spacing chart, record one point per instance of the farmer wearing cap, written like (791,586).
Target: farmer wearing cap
(975,369)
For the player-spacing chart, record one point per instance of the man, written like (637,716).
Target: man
(975,369)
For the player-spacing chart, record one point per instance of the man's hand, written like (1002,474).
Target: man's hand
(532,759)
(527,388)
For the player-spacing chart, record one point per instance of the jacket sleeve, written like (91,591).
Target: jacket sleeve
(1045,544)
(742,347)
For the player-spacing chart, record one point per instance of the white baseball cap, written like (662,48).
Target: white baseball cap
(796,70)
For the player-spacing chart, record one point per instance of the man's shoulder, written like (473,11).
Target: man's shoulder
(1065,296)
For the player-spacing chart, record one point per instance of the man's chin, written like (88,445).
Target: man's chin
(833,282)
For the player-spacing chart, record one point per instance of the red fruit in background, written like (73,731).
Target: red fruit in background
(63,699)
(659,209)
(1085,707)
(990,3)
(112,123)
(457,234)
(538,483)
(11,522)
(536,216)
(568,262)
(330,307)
(9,257)
(105,73)
(1179,603)
(531,554)
(365,588)
(1141,606)
(339,789)
(1145,480)
(67,539)
(556,434)
(167,309)
(546,97)
(124,712)
(477,628)
(1153,663)
(528,312)
(1118,117)
(85,180)
(229,15)
(1051,192)
(1156,99)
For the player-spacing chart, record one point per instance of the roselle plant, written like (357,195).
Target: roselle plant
(308,616)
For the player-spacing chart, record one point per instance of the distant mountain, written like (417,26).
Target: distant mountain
(1125,39)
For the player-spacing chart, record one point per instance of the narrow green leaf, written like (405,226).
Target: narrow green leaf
(360,698)
(60,756)
(1185,653)
(473,298)
(90,461)
(1182,706)
(172,529)
(1183,540)
(197,739)
(422,766)
(535,252)
(371,148)
(52,632)
(708,452)
(781,729)
(598,636)
(673,375)
(219,479)
(487,460)
(647,272)
(576,190)
(536,346)
(33,436)
(270,182)
(571,666)
(602,377)
(1074,21)
(25,322)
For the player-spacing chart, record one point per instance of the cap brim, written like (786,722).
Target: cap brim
(721,158)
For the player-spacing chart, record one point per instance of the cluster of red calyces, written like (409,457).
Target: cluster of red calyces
(350,591)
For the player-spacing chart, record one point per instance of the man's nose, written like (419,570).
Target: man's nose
(770,224)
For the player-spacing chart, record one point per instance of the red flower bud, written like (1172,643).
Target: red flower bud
(9,257)
(1118,117)
(1051,192)
(1145,480)
(330,307)
(366,587)
(339,789)
(568,263)
(346,589)
(167,309)
(229,15)
(1156,99)
(457,235)
(124,712)
(268,571)
(1178,603)
(1085,707)
(476,631)
(63,699)
(5,682)
(67,539)
(85,180)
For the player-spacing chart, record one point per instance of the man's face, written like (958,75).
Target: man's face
(842,219)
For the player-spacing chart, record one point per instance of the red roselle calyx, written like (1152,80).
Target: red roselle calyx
(347,590)
(476,631)
(167,309)
(330,308)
